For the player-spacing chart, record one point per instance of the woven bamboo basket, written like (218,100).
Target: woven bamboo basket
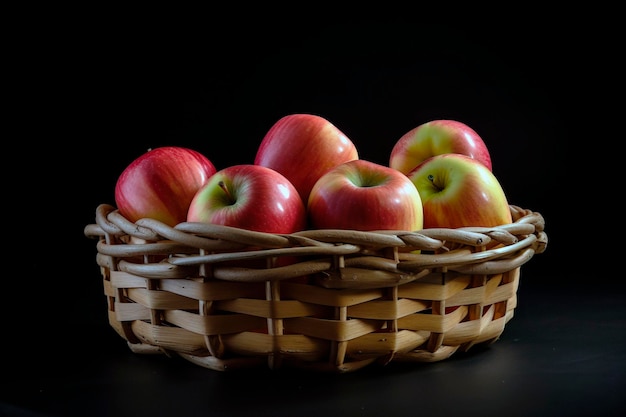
(327,300)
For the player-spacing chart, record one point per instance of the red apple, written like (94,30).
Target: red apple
(459,191)
(363,195)
(435,138)
(251,197)
(161,183)
(303,147)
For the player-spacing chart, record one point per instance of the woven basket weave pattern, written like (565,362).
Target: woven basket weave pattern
(331,300)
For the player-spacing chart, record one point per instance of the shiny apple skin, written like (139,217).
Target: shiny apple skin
(303,147)
(434,138)
(458,191)
(260,199)
(161,183)
(363,195)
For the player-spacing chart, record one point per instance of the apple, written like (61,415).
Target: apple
(161,183)
(251,197)
(435,138)
(458,191)
(303,147)
(363,195)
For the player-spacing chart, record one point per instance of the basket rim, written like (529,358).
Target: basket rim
(476,250)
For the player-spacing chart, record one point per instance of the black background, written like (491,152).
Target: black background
(102,91)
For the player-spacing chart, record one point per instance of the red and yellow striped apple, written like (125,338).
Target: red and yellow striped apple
(458,191)
(435,138)
(251,197)
(303,147)
(161,183)
(363,195)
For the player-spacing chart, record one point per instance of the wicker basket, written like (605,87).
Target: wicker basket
(328,300)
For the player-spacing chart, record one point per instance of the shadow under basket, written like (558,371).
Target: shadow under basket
(327,300)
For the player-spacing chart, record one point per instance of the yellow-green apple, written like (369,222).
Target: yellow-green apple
(303,147)
(363,195)
(434,138)
(458,191)
(161,183)
(251,197)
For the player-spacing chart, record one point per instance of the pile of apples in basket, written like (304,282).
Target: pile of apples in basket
(307,174)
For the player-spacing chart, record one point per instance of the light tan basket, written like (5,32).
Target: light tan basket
(328,300)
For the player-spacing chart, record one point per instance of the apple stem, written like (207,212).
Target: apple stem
(224,187)
(431,178)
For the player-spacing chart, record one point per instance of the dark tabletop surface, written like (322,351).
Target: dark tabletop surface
(131,88)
